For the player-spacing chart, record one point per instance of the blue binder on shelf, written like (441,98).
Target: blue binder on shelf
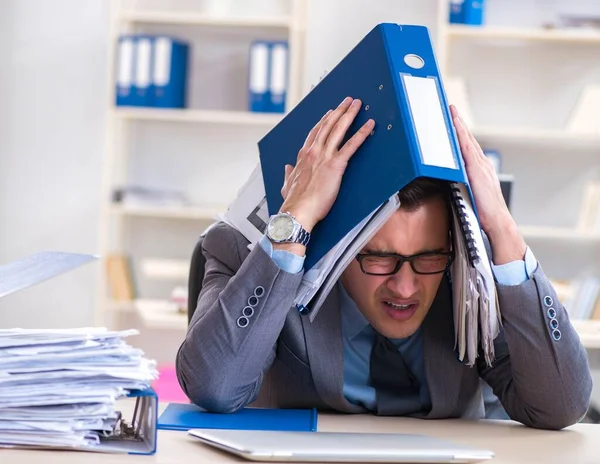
(142,83)
(278,76)
(393,70)
(125,70)
(184,417)
(467,12)
(169,72)
(259,99)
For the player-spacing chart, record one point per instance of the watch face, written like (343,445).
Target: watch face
(280,227)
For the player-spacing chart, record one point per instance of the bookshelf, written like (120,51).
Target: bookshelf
(214,135)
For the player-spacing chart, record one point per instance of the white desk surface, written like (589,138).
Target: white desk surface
(511,442)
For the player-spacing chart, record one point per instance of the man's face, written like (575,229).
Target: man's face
(405,233)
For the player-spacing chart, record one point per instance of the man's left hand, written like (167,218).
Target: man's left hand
(494,216)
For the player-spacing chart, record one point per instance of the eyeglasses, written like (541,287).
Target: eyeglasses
(382,264)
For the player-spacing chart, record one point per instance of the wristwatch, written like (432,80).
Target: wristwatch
(283,228)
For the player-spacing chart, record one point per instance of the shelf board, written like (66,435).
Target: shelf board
(560,233)
(194,116)
(535,135)
(165,269)
(200,213)
(160,314)
(572,35)
(198,19)
(588,331)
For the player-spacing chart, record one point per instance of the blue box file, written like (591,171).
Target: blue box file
(467,12)
(278,76)
(188,416)
(258,77)
(142,81)
(169,73)
(125,67)
(413,136)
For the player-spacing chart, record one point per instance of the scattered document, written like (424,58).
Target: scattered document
(37,268)
(58,388)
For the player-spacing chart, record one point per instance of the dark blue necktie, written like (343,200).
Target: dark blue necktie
(397,389)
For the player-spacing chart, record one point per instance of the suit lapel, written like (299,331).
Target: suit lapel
(324,346)
(443,370)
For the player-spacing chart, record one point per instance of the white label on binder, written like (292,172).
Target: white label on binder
(428,117)
(142,69)
(162,61)
(125,68)
(278,69)
(259,63)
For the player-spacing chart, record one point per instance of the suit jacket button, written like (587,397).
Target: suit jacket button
(556,334)
(554,323)
(259,291)
(551,313)
(248,311)
(242,322)
(252,301)
(548,301)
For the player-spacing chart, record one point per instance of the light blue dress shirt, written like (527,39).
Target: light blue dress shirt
(358,335)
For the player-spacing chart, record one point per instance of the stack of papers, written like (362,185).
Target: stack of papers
(475,300)
(58,388)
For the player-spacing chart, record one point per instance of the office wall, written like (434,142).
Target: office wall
(52,112)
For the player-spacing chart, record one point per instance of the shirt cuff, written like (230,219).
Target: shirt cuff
(287,261)
(516,272)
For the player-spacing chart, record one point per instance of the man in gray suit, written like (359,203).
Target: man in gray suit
(383,341)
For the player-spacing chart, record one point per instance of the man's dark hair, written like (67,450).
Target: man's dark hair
(422,190)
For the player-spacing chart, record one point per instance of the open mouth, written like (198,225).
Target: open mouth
(400,307)
(399,312)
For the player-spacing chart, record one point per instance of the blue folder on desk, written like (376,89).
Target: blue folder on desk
(188,416)
(393,70)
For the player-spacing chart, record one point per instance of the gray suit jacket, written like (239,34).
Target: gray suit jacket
(282,359)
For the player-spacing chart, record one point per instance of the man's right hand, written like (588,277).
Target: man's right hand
(311,187)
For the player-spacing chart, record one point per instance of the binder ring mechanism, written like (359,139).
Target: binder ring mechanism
(130,431)
(303,310)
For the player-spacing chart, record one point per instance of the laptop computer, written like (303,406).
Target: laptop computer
(258,445)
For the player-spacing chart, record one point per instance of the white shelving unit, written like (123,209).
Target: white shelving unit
(535,139)
(207,125)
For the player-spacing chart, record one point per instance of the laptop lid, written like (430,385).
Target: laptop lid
(259,445)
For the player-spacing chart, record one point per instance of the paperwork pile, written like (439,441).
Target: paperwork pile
(58,388)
